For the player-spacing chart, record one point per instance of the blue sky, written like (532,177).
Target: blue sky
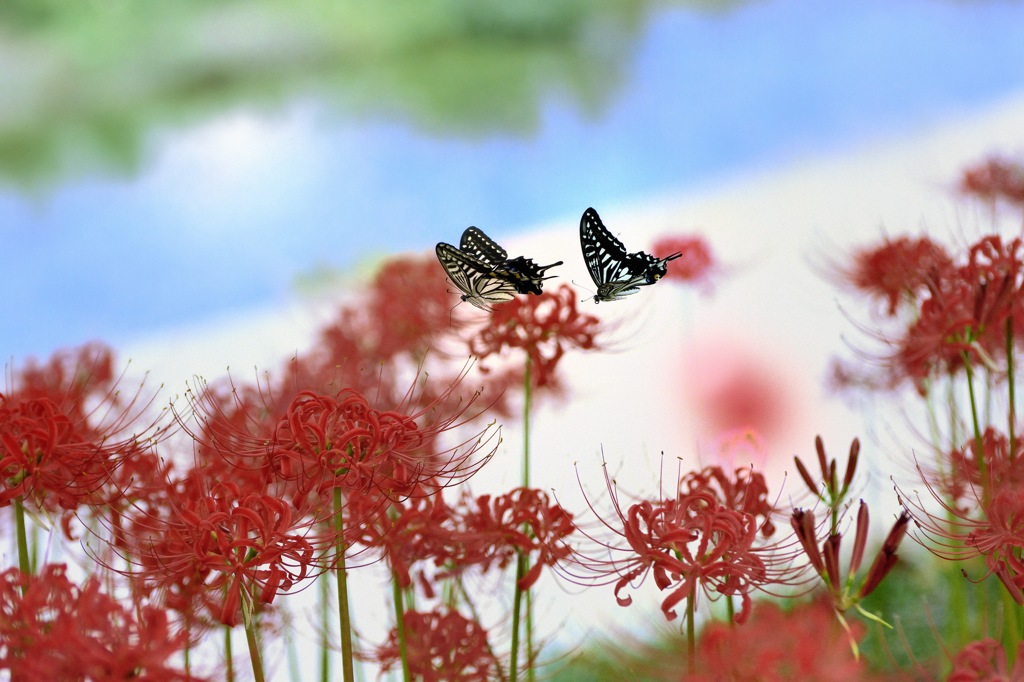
(228,213)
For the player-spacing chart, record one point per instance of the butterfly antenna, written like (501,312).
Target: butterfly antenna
(593,293)
(451,312)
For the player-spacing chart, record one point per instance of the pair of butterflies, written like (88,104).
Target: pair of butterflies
(484,273)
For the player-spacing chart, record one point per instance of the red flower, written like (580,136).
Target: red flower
(409,307)
(746,492)
(962,311)
(691,542)
(324,442)
(52,629)
(223,547)
(697,263)
(897,270)
(806,643)
(994,179)
(543,327)
(65,428)
(492,531)
(985,661)
(417,530)
(441,646)
(988,522)
(398,322)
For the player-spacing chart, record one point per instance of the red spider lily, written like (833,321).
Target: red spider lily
(985,660)
(994,179)
(963,312)
(966,473)
(689,542)
(746,492)
(316,442)
(441,646)
(805,643)
(410,307)
(223,547)
(325,442)
(993,527)
(404,315)
(65,428)
(416,530)
(897,270)
(697,263)
(52,629)
(543,327)
(493,531)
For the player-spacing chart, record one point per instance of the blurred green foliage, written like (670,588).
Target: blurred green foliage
(82,83)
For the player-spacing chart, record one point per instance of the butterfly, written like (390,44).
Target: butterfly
(527,276)
(616,272)
(479,283)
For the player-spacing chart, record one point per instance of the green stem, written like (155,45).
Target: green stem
(348,669)
(978,442)
(229,657)
(691,636)
(1011,628)
(1012,417)
(19,522)
(531,673)
(516,609)
(250,636)
(472,609)
(527,400)
(527,405)
(325,629)
(396,594)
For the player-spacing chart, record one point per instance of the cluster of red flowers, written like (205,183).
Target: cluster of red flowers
(53,629)
(950,314)
(65,428)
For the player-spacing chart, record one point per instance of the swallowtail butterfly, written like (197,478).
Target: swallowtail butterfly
(616,272)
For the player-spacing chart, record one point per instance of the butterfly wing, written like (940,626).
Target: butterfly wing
(478,245)
(607,260)
(479,284)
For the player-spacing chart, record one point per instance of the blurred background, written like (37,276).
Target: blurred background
(196,183)
(164,165)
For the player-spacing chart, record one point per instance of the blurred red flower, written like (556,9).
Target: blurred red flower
(806,643)
(993,179)
(52,629)
(697,263)
(441,646)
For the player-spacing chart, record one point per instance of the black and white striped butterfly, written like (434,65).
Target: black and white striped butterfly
(479,283)
(527,276)
(616,272)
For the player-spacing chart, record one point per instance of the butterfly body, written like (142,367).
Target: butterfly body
(616,272)
(527,276)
